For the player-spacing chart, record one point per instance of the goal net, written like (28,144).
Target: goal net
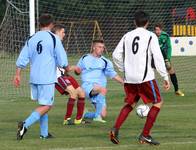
(86,20)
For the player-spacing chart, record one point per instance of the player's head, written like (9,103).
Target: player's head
(46,21)
(98,47)
(59,30)
(158,29)
(141,19)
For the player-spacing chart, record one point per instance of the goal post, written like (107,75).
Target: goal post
(32,16)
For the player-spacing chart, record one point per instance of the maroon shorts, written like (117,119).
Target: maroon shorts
(63,82)
(148,91)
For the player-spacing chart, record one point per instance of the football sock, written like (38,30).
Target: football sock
(99,105)
(97,113)
(98,108)
(35,116)
(80,108)
(174,81)
(122,116)
(70,105)
(44,125)
(152,115)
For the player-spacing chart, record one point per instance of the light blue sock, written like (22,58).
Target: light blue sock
(44,125)
(99,106)
(35,116)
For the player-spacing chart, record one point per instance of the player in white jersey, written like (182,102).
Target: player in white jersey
(95,69)
(44,51)
(133,56)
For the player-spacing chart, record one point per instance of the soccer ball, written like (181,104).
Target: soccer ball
(142,110)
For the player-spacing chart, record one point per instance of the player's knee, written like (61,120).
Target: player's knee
(103,91)
(72,92)
(80,92)
(132,105)
(159,105)
(98,89)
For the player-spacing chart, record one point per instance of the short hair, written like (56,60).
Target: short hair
(98,41)
(57,27)
(141,18)
(159,25)
(45,20)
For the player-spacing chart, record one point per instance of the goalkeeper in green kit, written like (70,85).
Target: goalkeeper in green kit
(166,49)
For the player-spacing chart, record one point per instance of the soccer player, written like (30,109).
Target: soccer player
(133,56)
(94,69)
(67,85)
(166,50)
(44,51)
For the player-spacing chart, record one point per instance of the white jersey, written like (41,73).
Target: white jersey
(133,55)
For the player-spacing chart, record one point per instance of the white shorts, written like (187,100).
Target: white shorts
(44,93)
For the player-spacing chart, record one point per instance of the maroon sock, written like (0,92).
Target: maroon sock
(151,118)
(122,116)
(70,105)
(80,108)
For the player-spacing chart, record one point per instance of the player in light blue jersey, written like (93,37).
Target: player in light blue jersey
(95,69)
(44,51)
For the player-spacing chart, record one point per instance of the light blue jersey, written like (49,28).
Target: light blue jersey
(95,70)
(44,51)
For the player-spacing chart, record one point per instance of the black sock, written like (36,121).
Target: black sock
(174,81)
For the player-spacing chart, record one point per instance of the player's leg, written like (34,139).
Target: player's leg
(81,100)
(150,93)
(46,99)
(130,101)
(64,86)
(100,108)
(80,105)
(98,102)
(96,94)
(70,104)
(174,80)
(45,96)
(33,117)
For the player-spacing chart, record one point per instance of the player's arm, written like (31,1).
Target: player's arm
(111,73)
(17,78)
(166,50)
(61,55)
(21,63)
(159,61)
(80,66)
(117,55)
(169,50)
(118,79)
(64,71)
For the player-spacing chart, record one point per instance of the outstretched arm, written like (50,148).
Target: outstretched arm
(17,78)
(118,79)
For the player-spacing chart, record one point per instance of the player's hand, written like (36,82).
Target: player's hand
(16,80)
(166,85)
(77,70)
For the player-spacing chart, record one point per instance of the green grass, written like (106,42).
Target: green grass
(175,127)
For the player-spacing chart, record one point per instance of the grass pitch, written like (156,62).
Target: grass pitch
(174,129)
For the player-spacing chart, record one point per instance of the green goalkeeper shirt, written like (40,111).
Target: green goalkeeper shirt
(165,45)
